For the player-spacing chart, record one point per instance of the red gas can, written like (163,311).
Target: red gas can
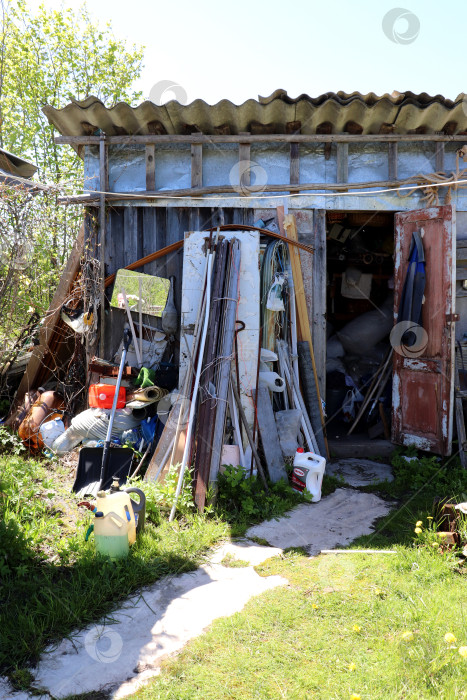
(102,396)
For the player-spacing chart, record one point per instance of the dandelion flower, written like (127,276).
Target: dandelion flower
(418,530)
(419,523)
(449,638)
(354,696)
(435,544)
(356,628)
(315,607)
(463,652)
(352,667)
(430,517)
(407,636)
(378,591)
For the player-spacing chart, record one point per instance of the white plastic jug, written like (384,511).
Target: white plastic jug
(111,535)
(308,473)
(119,503)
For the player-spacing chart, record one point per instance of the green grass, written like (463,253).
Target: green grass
(336,629)
(52,581)
(231,562)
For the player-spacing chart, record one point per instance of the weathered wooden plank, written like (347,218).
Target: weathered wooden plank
(319,297)
(196,164)
(130,233)
(269,436)
(342,162)
(150,158)
(392,161)
(261,138)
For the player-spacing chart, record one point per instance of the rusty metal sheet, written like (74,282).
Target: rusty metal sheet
(423,384)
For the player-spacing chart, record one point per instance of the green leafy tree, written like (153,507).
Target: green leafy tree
(48,57)
(53,57)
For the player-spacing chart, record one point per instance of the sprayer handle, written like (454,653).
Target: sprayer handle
(126,338)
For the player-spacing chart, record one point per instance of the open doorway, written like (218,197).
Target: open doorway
(360,302)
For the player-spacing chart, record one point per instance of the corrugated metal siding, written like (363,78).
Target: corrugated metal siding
(339,112)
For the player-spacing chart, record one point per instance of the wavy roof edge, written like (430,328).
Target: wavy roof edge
(331,112)
(15,165)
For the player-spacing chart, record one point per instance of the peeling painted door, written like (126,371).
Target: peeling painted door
(423,374)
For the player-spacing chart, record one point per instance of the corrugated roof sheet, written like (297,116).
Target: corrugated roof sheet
(398,113)
(15,165)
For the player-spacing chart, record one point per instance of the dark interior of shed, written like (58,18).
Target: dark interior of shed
(359,284)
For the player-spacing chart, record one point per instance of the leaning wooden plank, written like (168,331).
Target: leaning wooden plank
(269,437)
(310,394)
(461,436)
(459,406)
(166,440)
(290,227)
(52,318)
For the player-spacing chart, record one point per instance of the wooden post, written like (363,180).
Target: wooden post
(196,164)
(392,161)
(104,187)
(294,164)
(319,297)
(150,167)
(342,162)
(244,159)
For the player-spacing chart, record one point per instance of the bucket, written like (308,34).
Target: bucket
(102,396)
(308,472)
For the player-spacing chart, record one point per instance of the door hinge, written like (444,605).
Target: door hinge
(452,318)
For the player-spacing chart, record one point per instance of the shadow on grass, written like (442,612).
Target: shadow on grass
(42,602)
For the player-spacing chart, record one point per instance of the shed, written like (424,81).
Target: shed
(361,173)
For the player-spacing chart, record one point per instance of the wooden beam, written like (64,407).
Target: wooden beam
(196,164)
(150,157)
(90,199)
(392,161)
(439,163)
(261,138)
(342,162)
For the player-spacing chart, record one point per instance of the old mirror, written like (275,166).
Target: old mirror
(144,293)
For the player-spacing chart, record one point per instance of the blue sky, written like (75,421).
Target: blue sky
(241,49)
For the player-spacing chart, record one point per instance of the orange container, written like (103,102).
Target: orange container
(102,396)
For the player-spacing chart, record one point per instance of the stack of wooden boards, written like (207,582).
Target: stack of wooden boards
(207,412)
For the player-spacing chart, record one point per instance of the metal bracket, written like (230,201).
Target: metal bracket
(452,318)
